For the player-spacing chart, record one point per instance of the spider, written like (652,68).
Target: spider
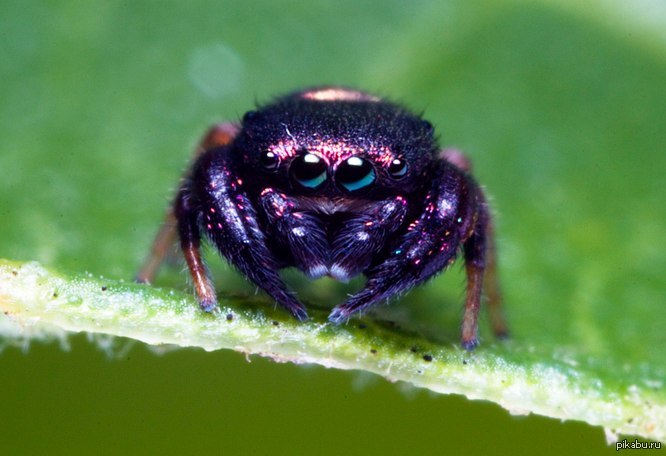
(337,182)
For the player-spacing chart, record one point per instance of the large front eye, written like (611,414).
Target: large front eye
(308,170)
(355,173)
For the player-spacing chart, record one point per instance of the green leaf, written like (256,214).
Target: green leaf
(41,304)
(560,105)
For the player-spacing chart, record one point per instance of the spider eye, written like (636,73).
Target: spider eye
(250,115)
(270,160)
(397,168)
(308,170)
(355,173)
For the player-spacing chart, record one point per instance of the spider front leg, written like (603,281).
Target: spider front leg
(454,213)
(214,201)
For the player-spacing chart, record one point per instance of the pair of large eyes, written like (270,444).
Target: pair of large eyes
(355,173)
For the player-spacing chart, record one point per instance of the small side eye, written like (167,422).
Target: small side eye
(354,174)
(397,168)
(270,161)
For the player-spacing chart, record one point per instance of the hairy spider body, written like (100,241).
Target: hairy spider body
(334,182)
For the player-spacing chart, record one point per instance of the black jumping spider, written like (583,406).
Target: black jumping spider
(334,182)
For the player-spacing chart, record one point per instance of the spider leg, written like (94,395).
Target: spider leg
(492,287)
(217,136)
(454,213)
(490,279)
(214,201)
(190,240)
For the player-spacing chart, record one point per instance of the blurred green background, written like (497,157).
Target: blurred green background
(561,107)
